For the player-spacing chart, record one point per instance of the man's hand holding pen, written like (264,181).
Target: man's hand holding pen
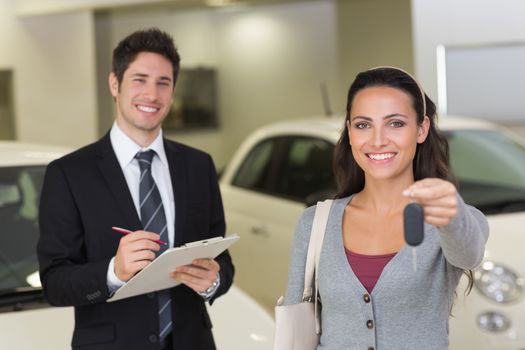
(135,251)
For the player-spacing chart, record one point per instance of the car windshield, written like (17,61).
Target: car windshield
(19,196)
(490,167)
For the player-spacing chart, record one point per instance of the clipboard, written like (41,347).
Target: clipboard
(156,276)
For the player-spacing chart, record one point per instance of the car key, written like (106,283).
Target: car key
(413,221)
(414,228)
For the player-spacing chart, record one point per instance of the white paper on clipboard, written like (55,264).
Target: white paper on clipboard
(156,276)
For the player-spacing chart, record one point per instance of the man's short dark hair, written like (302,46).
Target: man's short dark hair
(147,40)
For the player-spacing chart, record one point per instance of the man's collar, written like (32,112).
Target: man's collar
(126,149)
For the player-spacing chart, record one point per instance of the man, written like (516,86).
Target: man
(133,178)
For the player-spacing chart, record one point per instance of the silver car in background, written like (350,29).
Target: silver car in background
(284,167)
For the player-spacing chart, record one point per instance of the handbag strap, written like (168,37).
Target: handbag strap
(314,252)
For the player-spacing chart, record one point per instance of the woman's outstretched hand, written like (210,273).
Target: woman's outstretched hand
(438,198)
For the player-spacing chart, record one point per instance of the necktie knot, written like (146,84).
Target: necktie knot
(145,158)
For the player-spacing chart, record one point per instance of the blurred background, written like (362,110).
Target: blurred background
(245,65)
(253,61)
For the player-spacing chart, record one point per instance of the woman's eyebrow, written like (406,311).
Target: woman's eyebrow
(361,117)
(395,115)
(388,116)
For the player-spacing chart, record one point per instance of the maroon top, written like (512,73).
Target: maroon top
(368,268)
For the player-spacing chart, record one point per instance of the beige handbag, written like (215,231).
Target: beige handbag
(298,326)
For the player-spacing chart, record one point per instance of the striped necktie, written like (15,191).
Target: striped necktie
(153,219)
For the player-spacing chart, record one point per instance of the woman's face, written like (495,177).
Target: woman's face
(384,133)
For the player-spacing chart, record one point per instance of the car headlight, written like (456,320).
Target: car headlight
(498,283)
(493,322)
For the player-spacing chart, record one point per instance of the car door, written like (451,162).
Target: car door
(23,310)
(270,189)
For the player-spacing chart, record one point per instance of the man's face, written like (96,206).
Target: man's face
(143,98)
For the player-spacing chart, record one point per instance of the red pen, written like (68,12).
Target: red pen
(125,232)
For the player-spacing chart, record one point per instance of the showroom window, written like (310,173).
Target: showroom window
(195,103)
(7,119)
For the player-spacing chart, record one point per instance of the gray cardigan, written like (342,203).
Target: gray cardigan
(407,309)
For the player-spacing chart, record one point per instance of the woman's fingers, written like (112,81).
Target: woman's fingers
(437,197)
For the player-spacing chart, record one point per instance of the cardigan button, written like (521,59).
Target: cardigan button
(366,298)
(370,324)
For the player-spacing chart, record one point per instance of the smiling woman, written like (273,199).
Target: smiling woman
(389,154)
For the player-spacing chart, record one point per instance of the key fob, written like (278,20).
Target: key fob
(413,224)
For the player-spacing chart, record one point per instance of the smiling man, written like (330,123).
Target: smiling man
(158,189)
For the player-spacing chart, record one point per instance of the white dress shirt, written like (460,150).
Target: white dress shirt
(126,149)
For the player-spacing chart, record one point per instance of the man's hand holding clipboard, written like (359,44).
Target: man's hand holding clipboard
(199,276)
(191,264)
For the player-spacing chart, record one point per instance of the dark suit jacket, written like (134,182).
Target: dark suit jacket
(84,195)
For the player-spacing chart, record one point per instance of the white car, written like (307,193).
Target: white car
(284,167)
(27,322)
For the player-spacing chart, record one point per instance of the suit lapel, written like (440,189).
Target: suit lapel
(116,182)
(179,181)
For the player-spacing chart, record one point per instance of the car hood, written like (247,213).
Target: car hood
(506,240)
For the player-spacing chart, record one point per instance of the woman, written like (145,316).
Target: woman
(390,154)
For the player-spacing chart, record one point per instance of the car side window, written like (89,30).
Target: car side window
(19,197)
(292,167)
(306,170)
(472,149)
(490,167)
(254,171)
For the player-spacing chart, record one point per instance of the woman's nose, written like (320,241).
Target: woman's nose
(379,137)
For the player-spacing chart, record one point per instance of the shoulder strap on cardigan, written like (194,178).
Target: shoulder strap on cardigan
(314,252)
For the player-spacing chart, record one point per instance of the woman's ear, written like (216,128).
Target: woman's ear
(348,131)
(422,130)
